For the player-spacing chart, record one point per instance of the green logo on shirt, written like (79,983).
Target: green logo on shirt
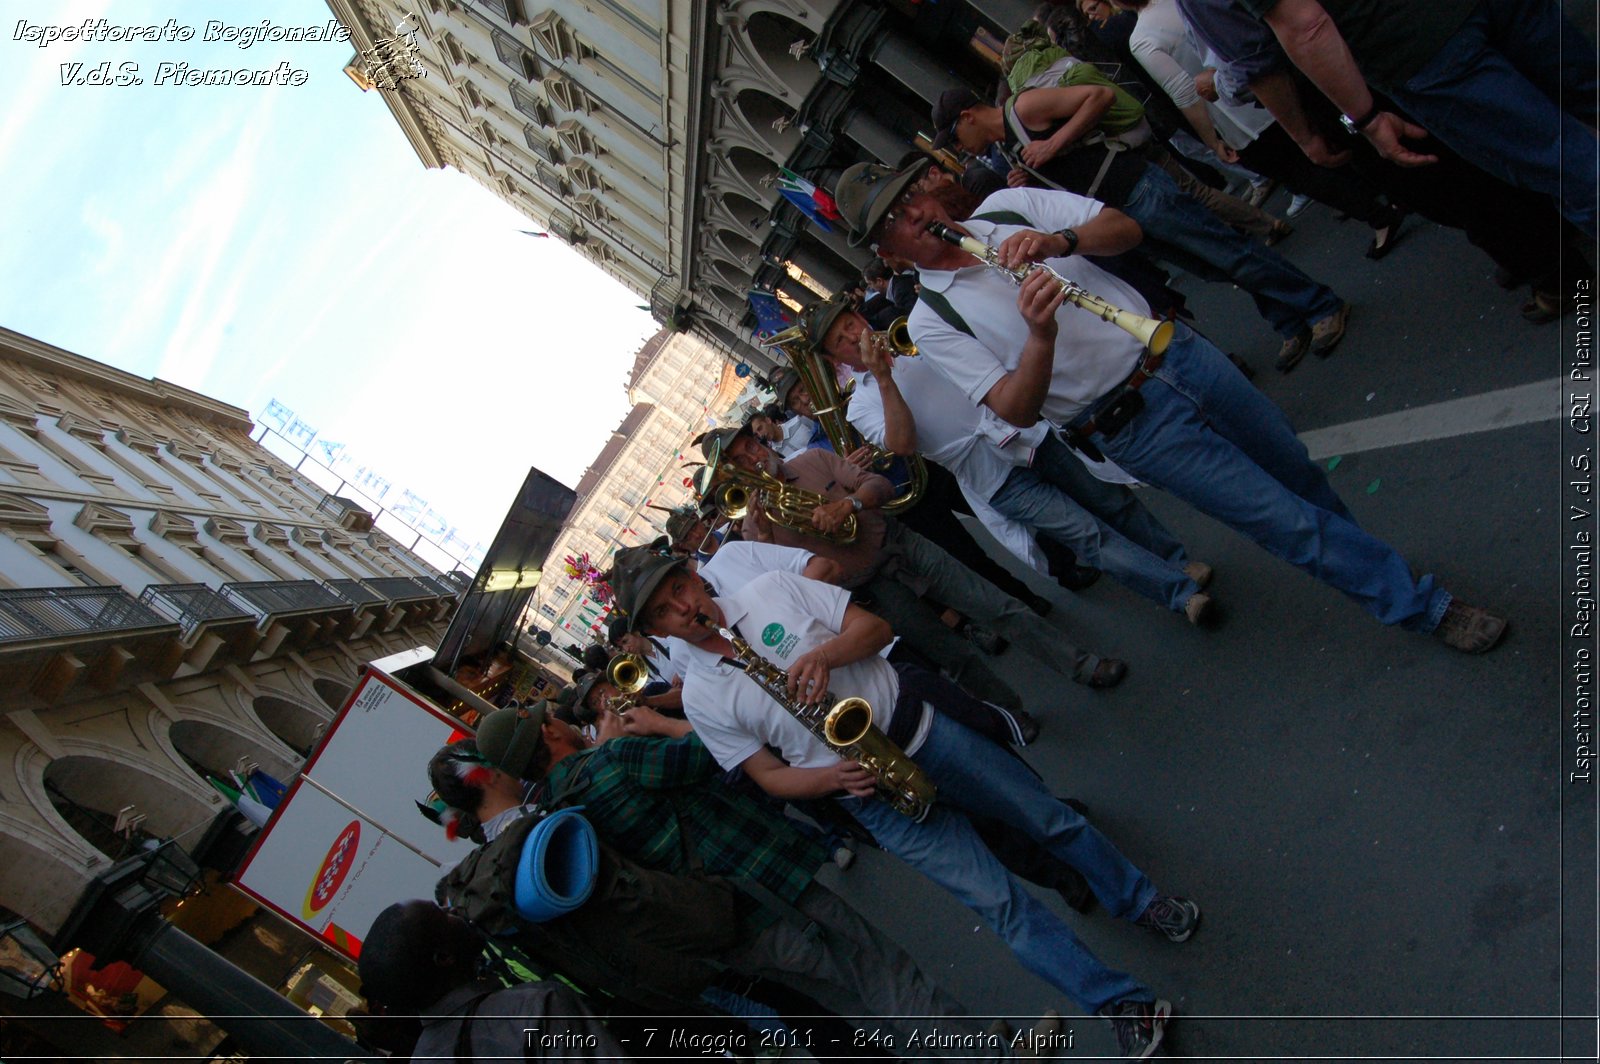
(772,634)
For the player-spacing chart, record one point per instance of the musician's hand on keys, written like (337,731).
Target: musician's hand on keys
(608,725)
(875,354)
(1039,300)
(808,677)
(1017,178)
(851,778)
(641,720)
(831,515)
(1019,249)
(756,524)
(861,457)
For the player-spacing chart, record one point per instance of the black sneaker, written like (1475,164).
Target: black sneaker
(1174,917)
(1139,1026)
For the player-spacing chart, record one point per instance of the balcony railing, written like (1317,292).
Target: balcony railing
(41,612)
(192,605)
(440,585)
(267,597)
(354,592)
(402,589)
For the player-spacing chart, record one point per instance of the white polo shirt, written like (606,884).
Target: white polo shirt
(736,564)
(1092,356)
(660,662)
(781,616)
(949,427)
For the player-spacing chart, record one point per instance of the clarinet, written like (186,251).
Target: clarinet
(1153,333)
(845,724)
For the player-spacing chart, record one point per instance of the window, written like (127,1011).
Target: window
(530,105)
(115,528)
(78,428)
(515,56)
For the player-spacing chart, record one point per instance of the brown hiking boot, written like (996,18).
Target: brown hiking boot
(1470,629)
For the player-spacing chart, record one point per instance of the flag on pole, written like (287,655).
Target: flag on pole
(812,201)
(530,232)
(771,316)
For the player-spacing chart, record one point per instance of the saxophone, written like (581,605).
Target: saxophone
(845,725)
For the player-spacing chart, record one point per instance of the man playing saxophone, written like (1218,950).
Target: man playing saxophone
(822,642)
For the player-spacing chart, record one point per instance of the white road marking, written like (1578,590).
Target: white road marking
(1522,405)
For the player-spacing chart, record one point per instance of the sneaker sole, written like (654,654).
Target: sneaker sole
(1162,1011)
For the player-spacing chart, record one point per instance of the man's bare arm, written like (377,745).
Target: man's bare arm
(1309,35)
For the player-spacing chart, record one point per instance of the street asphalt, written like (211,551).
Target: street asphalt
(1371,821)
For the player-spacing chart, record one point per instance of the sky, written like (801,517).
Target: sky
(284,242)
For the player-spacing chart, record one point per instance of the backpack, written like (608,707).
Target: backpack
(643,935)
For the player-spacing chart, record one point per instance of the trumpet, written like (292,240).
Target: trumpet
(629,674)
(898,337)
(1153,333)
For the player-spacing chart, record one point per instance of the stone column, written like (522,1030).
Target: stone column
(878,139)
(908,63)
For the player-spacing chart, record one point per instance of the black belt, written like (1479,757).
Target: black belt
(1113,411)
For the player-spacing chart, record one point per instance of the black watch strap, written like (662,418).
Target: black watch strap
(1355,125)
(1071,237)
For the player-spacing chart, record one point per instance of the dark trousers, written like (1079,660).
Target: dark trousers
(934,517)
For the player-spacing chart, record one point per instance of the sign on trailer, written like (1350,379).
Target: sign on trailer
(347,840)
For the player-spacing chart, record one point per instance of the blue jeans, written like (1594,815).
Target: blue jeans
(1104,523)
(1513,91)
(973,773)
(1181,231)
(1210,438)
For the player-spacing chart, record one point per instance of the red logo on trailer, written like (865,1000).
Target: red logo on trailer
(334,868)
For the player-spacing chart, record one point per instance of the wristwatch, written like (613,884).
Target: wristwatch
(1354,126)
(855,503)
(1071,237)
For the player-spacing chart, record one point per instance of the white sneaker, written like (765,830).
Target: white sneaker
(1296,205)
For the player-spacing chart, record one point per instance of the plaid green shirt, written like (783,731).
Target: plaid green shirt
(656,799)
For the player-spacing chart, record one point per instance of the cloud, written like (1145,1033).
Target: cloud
(208,242)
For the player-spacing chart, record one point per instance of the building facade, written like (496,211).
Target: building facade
(650,134)
(678,388)
(175,603)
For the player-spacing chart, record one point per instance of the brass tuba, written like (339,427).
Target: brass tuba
(817,375)
(629,674)
(733,490)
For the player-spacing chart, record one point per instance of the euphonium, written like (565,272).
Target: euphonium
(1153,333)
(845,725)
(817,375)
(732,489)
